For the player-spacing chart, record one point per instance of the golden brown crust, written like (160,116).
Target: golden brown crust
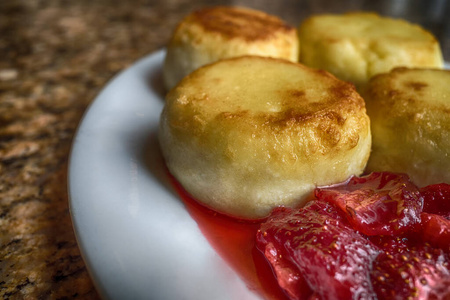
(246,134)
(234,22)
(296,110)
(357,46)
(215,33)
(410,116)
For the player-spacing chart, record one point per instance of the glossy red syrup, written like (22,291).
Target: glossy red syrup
(234,240)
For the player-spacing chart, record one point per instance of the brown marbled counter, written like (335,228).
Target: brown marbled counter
(55,56)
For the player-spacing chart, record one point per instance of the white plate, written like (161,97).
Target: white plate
(135,235)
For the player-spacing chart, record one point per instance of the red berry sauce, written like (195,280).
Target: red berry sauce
(234,240)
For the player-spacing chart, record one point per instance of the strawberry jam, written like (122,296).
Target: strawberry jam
(234,240)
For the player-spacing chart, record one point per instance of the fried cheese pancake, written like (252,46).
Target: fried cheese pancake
(356,46)
(219,32)
(410,116)
(247,134)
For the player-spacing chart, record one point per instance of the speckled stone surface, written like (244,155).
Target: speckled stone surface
(55,56)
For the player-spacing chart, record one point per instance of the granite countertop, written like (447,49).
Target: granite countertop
(55,56)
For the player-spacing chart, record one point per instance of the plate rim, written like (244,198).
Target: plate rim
(137,290)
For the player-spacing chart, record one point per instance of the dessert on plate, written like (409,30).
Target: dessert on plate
(279,144)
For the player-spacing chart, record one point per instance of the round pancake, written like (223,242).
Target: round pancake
(247,134)
(357,46)
(410,116)
(219,32)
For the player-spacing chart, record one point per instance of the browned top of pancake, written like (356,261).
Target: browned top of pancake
(410,90)
(232,22)
(248,133)
(266,97)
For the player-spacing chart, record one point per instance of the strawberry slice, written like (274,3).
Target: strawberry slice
(435,230)
(437,199)
(333,259)
(365,239)
(389,243)
(288,276)
(381,203)
(407,270)
(435,225)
